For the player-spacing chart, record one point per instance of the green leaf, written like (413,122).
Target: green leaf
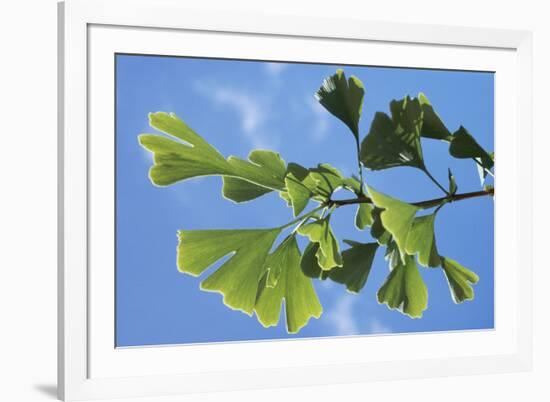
(395,141)
(239,190)
(432,125)
(363,217)
(184,154)
(237,279)
(301,302)
(453,188)
(181,156)
(357,265)
(460,280)
(298,193)
(421,241)
(464,146)
(377,230)
(404,289)
(344,99)
(397,217)
(328,254)
(316,183)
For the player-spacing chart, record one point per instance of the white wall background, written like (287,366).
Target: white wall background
(28,198)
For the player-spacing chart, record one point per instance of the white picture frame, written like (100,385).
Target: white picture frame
(90,367)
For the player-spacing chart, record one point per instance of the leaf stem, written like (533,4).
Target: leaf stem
(484,168)
(421,204)
(435,181)
(360,166)
(302,217)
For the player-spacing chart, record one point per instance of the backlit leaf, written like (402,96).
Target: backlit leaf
(328,254)
(363,217)
(377,230)
(404,289)
(298,193)
(237,279)
(357,263)
(421,241)
(343,98)
(432,125)
(301,302)
(464,146)
(397,217)
(240,190)
(183,154)
(395,141)
(460,280)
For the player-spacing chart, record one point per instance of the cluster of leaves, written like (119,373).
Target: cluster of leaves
(260,273)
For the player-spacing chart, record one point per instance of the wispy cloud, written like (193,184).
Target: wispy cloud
(341,316)
(320,119)
(250,109)
(375,326)
(275,69)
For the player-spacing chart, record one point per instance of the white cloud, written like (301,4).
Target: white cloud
(250,108)
(341,316)
(320,119)
(275,69)
(376,327)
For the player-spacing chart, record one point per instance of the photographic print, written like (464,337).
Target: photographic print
(267,200)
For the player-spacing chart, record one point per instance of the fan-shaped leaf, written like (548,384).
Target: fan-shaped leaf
(404,289)
(363,216)
(397,217)
(464,146)
(328,254)
(421,241)
(432,125)
(395,141)
(357,263)
(184,154)
(301,302)
(460,280)
(237,279)
(344,99)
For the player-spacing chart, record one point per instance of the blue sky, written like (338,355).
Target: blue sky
(241,105)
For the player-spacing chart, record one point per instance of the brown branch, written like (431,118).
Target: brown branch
(422,204)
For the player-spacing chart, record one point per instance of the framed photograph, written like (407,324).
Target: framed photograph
(253,201)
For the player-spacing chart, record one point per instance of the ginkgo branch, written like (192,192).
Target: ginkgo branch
(422,204)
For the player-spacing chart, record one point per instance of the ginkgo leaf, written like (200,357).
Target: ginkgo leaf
(319,231)
(421,241)
(357,263)
(460,280)
(183,154)
(310,265)
(377,230)
(404,289)
(327,177)
(316,183)
(240,190)
(463,146)
(363,216)
(395,141)
(298,193)
(432,125)
(343,98)
(301,301)
(237,279)
(397,217)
